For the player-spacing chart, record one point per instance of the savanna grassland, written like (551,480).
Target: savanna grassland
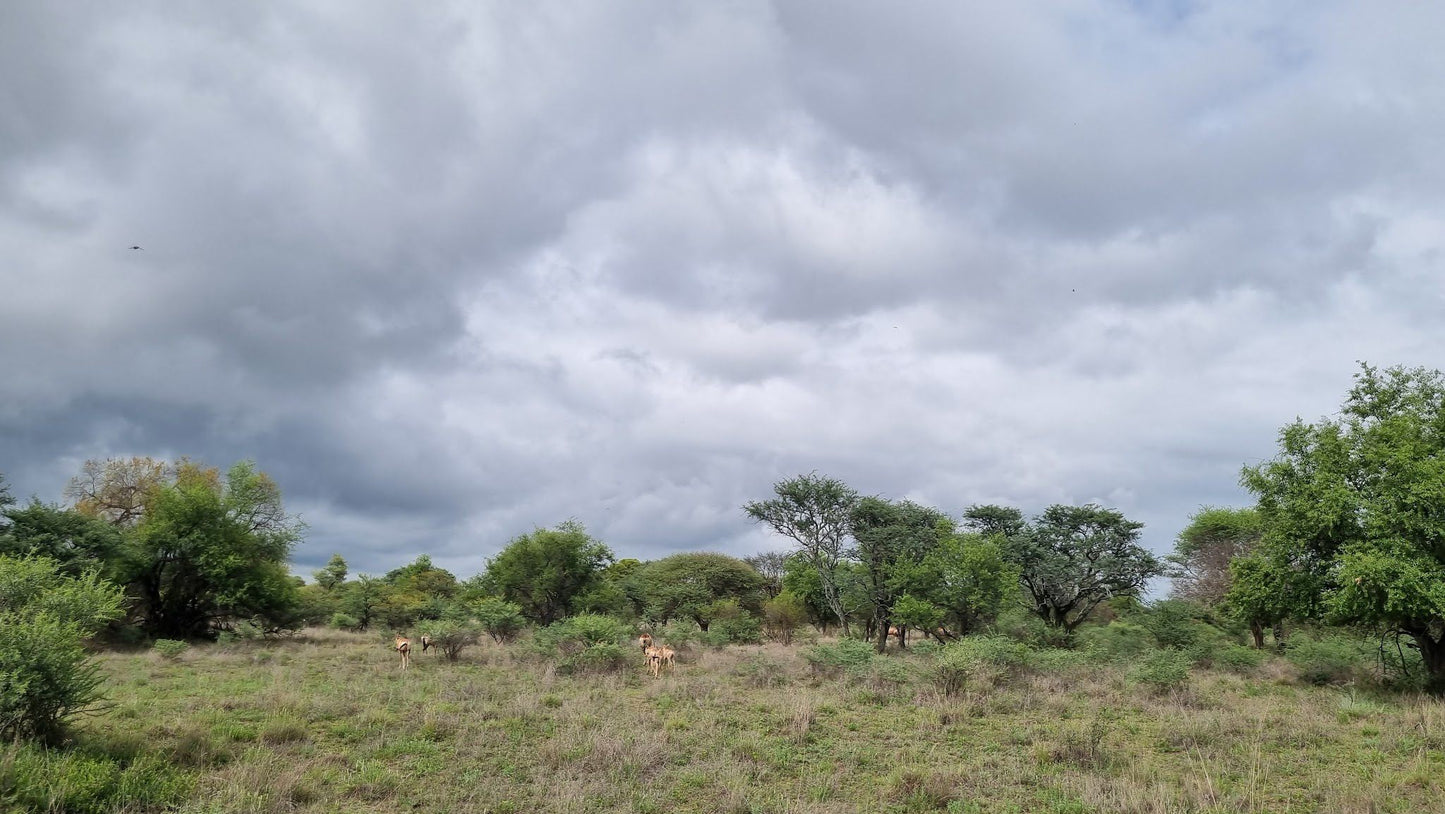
(326,722)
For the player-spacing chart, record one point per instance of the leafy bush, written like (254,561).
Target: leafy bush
(170,649)
(500,619)
(742,629)
(986,659)
(782,615)
(843,656)
(571,636)
(886,674)
(344,621)
(1239,659)
(1115,642)
(1163,670)
(45,672)
(1331,658)
(603,657)
(450,636)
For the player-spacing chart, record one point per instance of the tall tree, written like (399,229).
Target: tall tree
(893,541)
(211,550)
(543,572)
(1355,507)
(769,566)
(816,513)
(76,542)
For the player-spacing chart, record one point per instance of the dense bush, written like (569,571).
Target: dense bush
(1117,641)
(344,621)
(45,618)
(571,636)
(1238,659)
(1331,658)
(842,656)
(1162,670)
(37,779)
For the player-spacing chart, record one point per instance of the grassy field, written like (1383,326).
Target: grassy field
(326,722)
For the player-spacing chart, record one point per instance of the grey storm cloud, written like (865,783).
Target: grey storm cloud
(453,273)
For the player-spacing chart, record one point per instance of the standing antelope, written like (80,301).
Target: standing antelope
(426,642)
(657,657)
(645,640)
(403,646)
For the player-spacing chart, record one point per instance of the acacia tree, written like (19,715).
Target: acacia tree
(1071,558)
(691,584)
(816,513)
(1355,507)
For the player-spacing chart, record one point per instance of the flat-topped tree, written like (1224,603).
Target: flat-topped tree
(816,513)
(1070,558)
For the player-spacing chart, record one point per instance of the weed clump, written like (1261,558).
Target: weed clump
(170,649)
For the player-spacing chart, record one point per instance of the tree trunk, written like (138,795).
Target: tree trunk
(1257,630)
(1279,635)
(1432,653)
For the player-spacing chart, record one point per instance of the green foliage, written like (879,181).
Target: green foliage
(603,657)
(893,541)
(971,580)
(1070,558)
(500,619)
(1162,670)
(837,658)
(986,660)
(36,779)
(732,625)
(343,621)
(333,575)
(691,585)
(451,636)
(544,572)
(1118,641)
(782,615)
(209,550)
(1175,623)
(76,542)
(1351,510)
(816,512)
(1238,659)
(1331,658)
(45,672)
(918,614)
(571,636)
(170,649)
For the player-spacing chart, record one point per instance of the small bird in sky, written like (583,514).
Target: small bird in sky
(133,248)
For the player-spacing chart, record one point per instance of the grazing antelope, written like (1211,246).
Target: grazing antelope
(659,657)
(403,646)
(645,640)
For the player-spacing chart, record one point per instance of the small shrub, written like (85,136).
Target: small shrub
(782,615)
(170,649)
(1162,670)
(1118,642)
(500,619)
(451,637)
(988,660)
(573,635)
(343,621)
(742,629)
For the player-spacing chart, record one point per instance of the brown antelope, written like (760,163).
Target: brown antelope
(403,646)
(645,640)
(426,642)
(659,657)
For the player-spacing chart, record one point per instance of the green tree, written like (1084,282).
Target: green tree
(500,619)
(1071,558)
(78,542)
(46,616)
(210,551)
(688,586)
(418,591)
(816,513)
(769,566)
(333,575)
(783,615)
(971,580)
(1354,508)
(893,541)
(543,572)
(362,600)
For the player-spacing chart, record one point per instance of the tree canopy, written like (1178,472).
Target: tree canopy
(543,572)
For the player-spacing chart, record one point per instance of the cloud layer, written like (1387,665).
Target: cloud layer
(455,273)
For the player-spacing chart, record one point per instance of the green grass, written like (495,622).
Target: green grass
(327,723)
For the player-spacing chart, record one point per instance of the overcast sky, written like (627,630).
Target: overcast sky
(453,271)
